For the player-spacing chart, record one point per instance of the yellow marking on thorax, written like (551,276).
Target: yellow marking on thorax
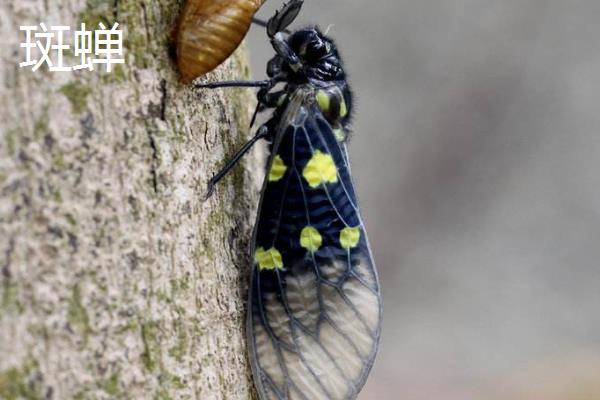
(323,100)
(343,108)
(349,237)
(278,169)
(310,239)
(320,169)
(339,134)
(268,259)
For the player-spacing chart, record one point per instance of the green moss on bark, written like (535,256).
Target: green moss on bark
(76,92)
(77,314)
(22,383)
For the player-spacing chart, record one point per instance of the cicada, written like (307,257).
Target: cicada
(314,308)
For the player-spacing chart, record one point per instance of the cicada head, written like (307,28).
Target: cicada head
(317,55)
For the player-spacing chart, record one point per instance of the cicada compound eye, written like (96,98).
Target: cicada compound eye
(317,48)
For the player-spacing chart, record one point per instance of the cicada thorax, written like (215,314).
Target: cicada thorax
(334,102)
(209,31)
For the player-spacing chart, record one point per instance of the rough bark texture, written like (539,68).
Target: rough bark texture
(116,280)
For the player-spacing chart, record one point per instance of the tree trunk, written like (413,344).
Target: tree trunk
(116,280)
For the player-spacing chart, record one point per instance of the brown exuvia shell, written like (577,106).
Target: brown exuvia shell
(209,31)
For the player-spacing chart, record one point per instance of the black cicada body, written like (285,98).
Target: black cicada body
(314,313)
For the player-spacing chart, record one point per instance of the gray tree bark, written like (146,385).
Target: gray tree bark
(116,280)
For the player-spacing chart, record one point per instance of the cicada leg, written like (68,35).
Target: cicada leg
(284,17)
(265,100)
(262,133)
(234,83)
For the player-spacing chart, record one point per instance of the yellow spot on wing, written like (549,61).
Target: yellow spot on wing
(268,259)
(278,169)
(310,239)
(320,169)
(323,100)
(349,237)
(339,134)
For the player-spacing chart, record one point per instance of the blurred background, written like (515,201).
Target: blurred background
(476,155)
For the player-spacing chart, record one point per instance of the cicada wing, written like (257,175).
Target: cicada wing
(315,312)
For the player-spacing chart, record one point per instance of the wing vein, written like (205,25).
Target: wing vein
(284,194)
(322,138)
(294,337)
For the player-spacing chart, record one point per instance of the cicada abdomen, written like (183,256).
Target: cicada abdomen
(209,31)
